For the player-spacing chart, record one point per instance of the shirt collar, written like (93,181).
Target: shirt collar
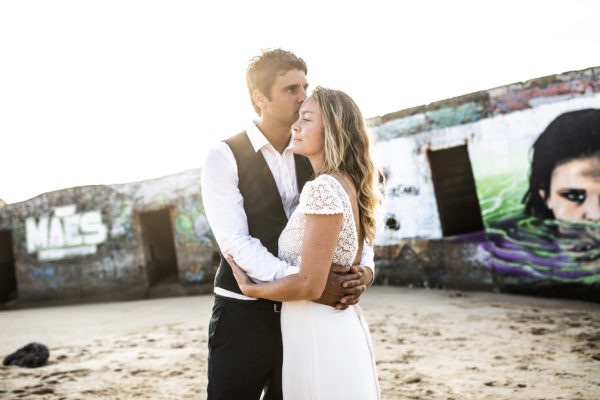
(259,140)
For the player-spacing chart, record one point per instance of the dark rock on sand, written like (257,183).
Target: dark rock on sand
(32,355)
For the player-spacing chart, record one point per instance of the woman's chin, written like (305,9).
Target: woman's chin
(298,150)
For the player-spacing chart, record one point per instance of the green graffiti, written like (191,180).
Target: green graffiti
(17,231)
(517,244)
(446,117)
(400,127)
(184,225)
(566,252)
(500,196)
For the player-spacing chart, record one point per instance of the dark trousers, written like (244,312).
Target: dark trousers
(244,350)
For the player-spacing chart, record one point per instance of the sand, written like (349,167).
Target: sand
(429,344)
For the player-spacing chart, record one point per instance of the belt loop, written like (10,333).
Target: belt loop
(277,307)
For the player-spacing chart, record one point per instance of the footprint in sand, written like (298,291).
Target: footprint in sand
(538,331)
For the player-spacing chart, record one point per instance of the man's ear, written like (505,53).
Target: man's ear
(259,99)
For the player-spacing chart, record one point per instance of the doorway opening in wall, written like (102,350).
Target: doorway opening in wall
(455,191)
(8,281)
(159,247)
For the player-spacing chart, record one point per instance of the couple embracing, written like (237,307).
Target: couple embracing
(291,202)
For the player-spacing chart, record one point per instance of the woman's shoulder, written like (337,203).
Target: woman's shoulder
(326,182)
(324,192)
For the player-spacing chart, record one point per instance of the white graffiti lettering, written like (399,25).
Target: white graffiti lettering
(91,224)
(37,234)
(66,234)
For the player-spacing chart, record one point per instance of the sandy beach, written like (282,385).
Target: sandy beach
(430,344)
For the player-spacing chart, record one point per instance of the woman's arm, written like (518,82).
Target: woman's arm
(320,239)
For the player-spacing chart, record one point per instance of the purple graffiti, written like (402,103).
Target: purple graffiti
(520,99)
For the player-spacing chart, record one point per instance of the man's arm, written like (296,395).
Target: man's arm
(321,234)
(344,287)
(367,264)
(224,207)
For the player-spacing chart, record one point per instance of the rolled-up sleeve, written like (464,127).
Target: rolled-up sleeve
(367,259)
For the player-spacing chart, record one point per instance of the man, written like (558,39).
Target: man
(250,185)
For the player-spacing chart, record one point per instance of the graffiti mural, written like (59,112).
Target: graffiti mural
(550,227)
(535,157)
(194,240)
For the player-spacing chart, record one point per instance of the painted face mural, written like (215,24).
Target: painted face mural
(557,235)
(564,181)
(574,193)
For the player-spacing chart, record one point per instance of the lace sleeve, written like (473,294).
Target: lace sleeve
(320,197)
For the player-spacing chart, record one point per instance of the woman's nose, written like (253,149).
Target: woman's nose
(592,211)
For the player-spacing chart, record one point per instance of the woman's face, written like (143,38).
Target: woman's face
(575,190)
(307,131)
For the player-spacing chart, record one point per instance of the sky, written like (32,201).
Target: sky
(104,92)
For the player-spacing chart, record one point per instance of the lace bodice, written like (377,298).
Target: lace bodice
(324,195)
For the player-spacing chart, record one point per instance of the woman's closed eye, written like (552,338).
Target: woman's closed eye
(575,195)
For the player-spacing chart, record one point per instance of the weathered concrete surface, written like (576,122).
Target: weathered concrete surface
(114,264)
(194,243)
(427,263)
(500,100)
(86,242)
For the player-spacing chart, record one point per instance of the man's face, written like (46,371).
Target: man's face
(287,94)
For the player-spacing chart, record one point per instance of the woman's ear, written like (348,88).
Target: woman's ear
(542,194)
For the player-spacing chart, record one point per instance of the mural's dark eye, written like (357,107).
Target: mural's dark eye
(575,195)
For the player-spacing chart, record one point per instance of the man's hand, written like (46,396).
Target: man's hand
(365,273)
(344,286)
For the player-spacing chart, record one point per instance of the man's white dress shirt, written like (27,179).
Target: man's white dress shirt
(224,207)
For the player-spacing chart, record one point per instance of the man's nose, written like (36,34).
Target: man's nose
(302,95)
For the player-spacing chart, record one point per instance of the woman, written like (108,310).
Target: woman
(565,169)
(327,353)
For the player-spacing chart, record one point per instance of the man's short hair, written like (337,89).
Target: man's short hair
(263,70)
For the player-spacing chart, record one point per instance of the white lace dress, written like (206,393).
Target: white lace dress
(327,353)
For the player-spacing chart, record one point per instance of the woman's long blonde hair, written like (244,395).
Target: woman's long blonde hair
(347,150)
